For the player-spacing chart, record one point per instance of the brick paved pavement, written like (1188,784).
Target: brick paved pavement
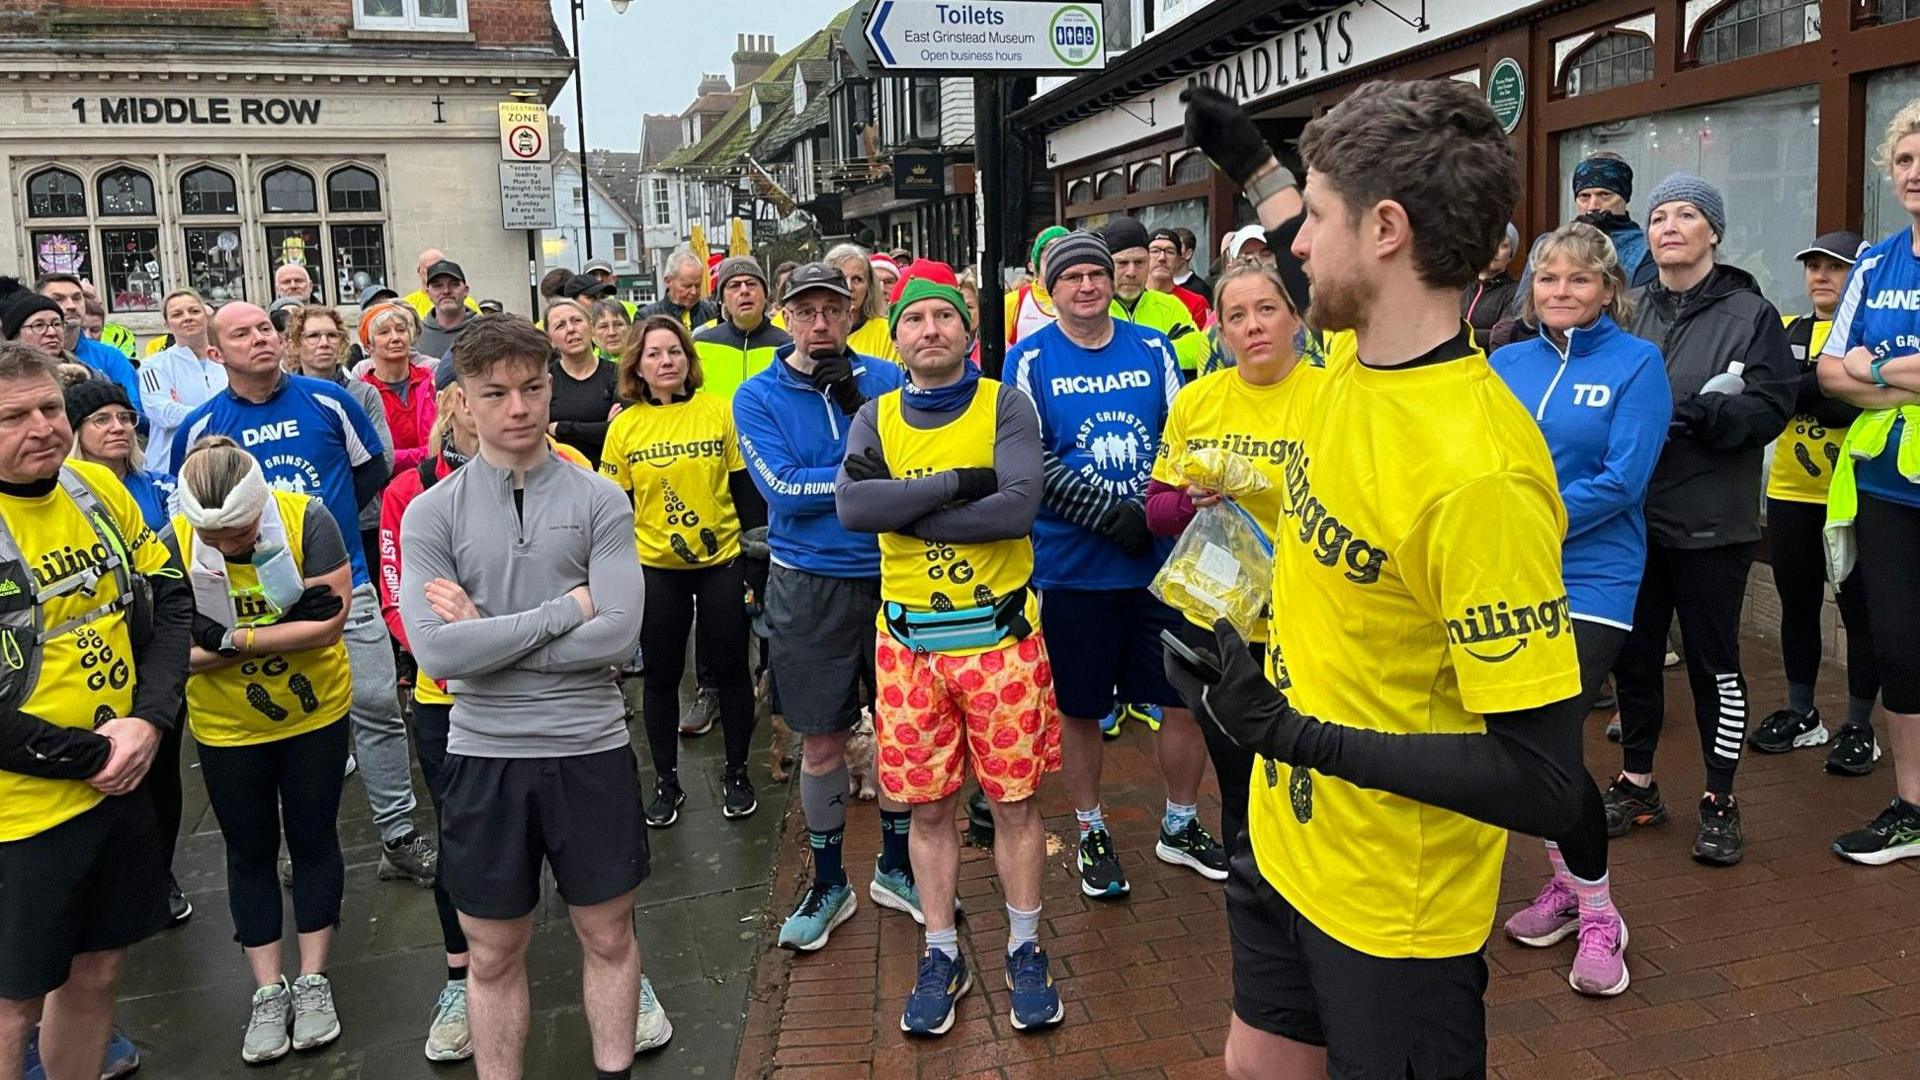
(1792,964)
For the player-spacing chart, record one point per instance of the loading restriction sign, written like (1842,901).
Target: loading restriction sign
(523,132)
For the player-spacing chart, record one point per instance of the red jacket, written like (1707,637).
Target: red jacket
(411,421)
(1196,304)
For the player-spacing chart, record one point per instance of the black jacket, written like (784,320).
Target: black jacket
(700,314)
(1484,301)
(1706,489)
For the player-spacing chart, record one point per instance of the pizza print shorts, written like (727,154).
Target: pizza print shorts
(936,712)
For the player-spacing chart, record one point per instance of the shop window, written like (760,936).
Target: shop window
(131,261)
(1113,185)
(360,259)
(1754,150)
(126,192)
(1192,169)
(1893,11)
(207,190)
(1080,191)
(1744,28)
(1149,177)
(56,193)
(1887,93)
(288,190)
(1615,59)
(215,263)
(435,15)
(352,190)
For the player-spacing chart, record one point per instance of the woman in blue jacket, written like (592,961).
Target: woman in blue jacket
(1602,399)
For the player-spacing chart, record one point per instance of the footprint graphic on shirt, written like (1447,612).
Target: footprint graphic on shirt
(263,703)
(939,602)
(982,596)
(1300,789)
(302,688)
(1805,459)
(680,548)
(709,541)
(1833,454)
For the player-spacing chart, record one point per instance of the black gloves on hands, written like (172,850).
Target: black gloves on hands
(1688,414)
(1242,705)
(317,604)
(1224,131)
(975,483)
(1126,526)
(867,466)
(206,633)
(833,375)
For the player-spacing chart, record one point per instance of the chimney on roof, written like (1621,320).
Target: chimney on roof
(753,56)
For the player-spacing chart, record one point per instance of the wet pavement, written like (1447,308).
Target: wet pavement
(185,993)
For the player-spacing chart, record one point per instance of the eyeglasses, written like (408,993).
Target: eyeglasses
(44,326)
(1074,281)
(318,336)
(807,315)
(106,418)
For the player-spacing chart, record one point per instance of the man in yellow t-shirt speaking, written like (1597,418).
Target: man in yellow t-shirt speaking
(1418,607)
(93,676)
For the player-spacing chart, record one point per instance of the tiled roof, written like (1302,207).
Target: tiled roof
(726,141)
(659,137)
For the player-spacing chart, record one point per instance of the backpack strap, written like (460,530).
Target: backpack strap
(118,562)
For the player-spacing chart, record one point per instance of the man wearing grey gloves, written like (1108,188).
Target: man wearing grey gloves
(528,624)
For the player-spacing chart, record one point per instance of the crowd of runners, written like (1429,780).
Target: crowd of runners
(1485,496)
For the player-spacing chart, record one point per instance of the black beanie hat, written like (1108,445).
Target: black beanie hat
(1124,233)
(89,396)
(19,308)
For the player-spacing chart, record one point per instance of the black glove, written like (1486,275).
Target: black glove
(207,634)
(1220,127)
(975,483)
(317,604)
(867,466)
(1242,705)
(1688,414)
(833,375)
(1126,525)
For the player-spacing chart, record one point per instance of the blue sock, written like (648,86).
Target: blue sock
(894,828)
(1090,820)
(1177,817)
(827,866)
(1023,927)
(947,941)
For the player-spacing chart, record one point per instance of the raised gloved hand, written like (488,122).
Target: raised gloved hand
(317,604)
(1224,131)
(833,375)
(867,466)
(1242,705)
(975,483)
(1126,526)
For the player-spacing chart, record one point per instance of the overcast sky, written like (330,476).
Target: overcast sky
(650,59)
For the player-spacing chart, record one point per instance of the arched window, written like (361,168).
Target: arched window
(1113,185)
(56,193)
(288,190)
(1742,28)
(1149,177)
(207,190)
(1192,168)
(352,190)
(1078,192)
(125,192)
(1618,58)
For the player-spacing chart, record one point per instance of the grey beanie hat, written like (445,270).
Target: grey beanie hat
(734,267)
(1688,188)
(1078,248)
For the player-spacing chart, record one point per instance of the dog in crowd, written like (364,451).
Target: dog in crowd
(783,748)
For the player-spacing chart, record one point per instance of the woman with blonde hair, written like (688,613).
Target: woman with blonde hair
(178,379)
(870,335)
(267,695)
(586,391)
(677,454)
(611,324)
(316,348)
(403,387)
(1873,504)
(1601,398)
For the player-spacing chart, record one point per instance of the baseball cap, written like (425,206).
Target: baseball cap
(586,287)
(1842,244)
(376,292)
(597,264)
(279,310)
(1168,235)
(816,275)
(447,268)
(491,307)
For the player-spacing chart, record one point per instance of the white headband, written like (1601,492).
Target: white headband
(244,504)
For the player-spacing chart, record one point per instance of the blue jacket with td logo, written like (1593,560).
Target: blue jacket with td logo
(1603,403)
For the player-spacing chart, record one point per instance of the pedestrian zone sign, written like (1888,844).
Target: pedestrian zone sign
(523,132)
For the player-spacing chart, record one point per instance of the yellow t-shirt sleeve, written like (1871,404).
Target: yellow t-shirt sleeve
(1484,561)
(613,456)
(1173,442)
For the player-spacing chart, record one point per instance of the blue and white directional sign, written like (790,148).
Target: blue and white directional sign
(986,35)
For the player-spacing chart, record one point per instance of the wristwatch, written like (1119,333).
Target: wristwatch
(1269,183)
(1874,370)
(228,648)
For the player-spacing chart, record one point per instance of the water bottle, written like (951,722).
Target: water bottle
(1728,381)
(280,580)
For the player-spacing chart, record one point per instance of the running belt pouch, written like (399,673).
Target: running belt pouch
(1220,568)
(947,631)
(17,632)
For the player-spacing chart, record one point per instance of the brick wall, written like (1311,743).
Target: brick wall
(491,22)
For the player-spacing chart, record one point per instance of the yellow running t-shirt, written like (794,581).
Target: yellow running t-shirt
(1805,453)
(1416,588)
(928,575)
(273,696)
(86,674)
(675,459)
(875,339)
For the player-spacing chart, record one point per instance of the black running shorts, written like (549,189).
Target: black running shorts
(501,817)
(92,883)
(1379,1018)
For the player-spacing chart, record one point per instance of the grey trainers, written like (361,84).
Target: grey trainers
(651,1029)
(700,716)
(314,1021)
(449,1037)
(415,858)
(267,1038)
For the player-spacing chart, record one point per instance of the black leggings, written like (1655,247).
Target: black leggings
(1886,531)
(1798,551)
(248,787)
(1706,587)
(163,785)
(671,595)
(430,742)
(1585,849)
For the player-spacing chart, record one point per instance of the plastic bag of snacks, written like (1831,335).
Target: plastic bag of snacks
(1222,565)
